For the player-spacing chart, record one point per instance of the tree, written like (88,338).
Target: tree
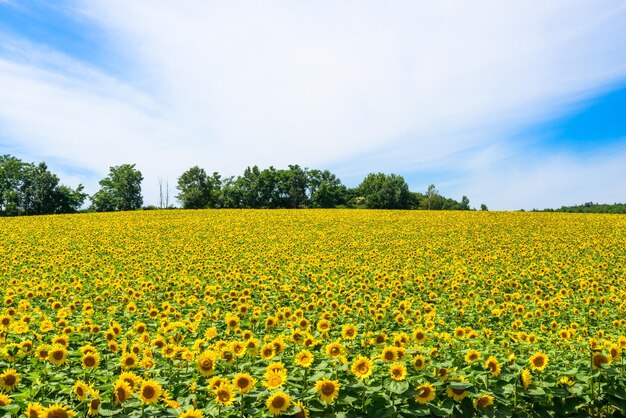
(198,190)
(325,189)
(465,203)
(120,190)
(483,207)
(385,191)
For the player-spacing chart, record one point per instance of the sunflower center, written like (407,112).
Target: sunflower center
(57,413)
(278,402)
(242,383)
(89,361)
(9,380)
(57,355)
(328,389)
(538,362)
(206,364)
(458,391)
(148,392)
(94,404)
(121,394)
(223,395)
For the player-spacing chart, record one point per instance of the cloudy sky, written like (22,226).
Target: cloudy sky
(514,104)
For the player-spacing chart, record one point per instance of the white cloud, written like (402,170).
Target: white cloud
(357,85)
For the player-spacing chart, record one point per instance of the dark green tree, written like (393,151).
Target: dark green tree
(325,189)
(385,191)
(198,190)
(120,190)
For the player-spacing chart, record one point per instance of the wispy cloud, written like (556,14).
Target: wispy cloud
(355,86)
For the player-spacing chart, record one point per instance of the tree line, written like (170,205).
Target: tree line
(31,189)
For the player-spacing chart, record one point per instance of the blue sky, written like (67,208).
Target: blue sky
(514,105)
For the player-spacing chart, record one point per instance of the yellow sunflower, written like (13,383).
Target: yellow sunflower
(9,380)
(278,403)
(456,394)
(526,378)
(419,362)
(334,349)
(362,367)
(244,382)
(538,361)
(425,393)
(267,351)
(57,411)
(598,359)
(122,390)
(94,403)
(224,395)
(388,354)
(397,371)
(493,365)
(34,410)
(327,389)
(205,364)
(191,413)
(150,391)
(57,354)
(129,361)
(81,390)
(4,399)
(90,360)
(483,402)
(304,358)
(304,412)
(472,355)
(274,379)
(349,332)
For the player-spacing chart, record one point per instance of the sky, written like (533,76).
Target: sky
(517,105)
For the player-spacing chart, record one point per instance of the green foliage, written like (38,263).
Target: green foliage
(29,189)
(198,190)
(591,207)
(385,191)
(120,190)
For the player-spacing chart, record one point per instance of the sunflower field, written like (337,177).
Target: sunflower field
(312,313)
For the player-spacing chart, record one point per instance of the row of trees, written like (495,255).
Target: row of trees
(298,187)
(29,189)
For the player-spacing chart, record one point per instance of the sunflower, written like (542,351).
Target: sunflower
(362,367)
(42,352)
(472,355)
(526,378)
(278,403)
(57,411)
(90,360)
(122,391)
(9,380)
(304,358)
(132,379)
(419,362)
(598,359)
(94,403)
(81,390)
(442,373)
(34,410)
(267,351)
(457,394)
(327,389)
(397,371)
(244,382)
(4,399)
(205,364)
(224,395)
(191,413)
(483,402)
(389,354)
(419,335)
(492,365)
(349,332)
(334,349)
(425,393)
(274,379)
(216,382)
(57,354)
(150,391)
(538,361)
(303,413)
(129,361)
